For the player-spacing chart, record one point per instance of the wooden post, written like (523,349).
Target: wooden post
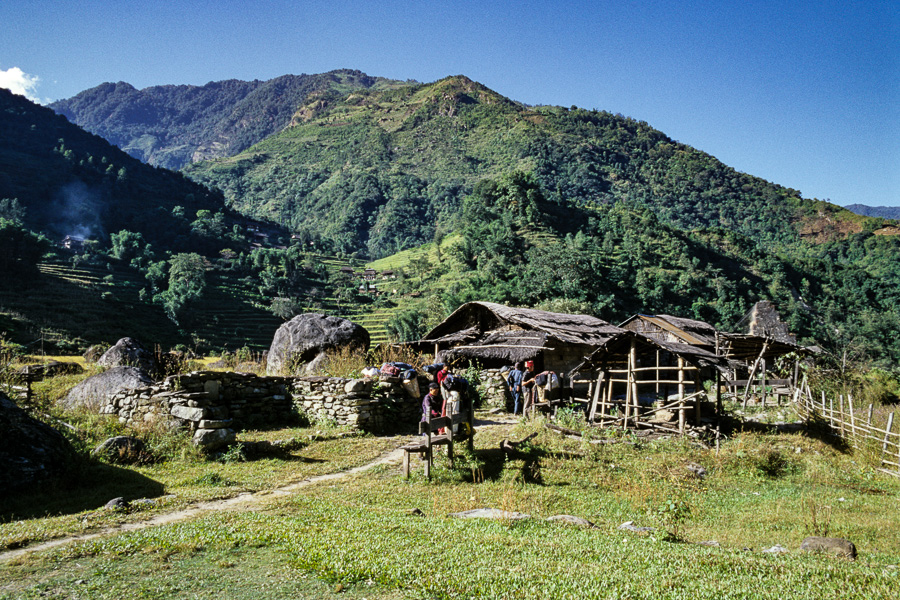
(697,387)
(830,412)
(598,391)
(869,420)
(762,381)
(823,403)
(629,378)
(607,402)
(852,418)
(887,435)
(681,415)
(841,405)
(718,401)
(753,371)
(657,373)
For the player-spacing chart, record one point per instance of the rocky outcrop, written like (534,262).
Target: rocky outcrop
(31,452)
(93,392)
(301,344)
(128,352)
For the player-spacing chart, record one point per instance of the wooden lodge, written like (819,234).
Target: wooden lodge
(496,335)
(635,379)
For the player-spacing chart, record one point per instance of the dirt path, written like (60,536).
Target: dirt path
(241,501)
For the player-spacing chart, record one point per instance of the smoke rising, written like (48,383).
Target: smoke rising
(77,211)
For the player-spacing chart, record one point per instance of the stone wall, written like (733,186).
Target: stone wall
(384,406)
(213,404)
(494,390)
(210,403)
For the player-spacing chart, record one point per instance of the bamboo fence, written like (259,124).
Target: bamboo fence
(854,426)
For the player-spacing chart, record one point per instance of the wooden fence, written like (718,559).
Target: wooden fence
(859,429)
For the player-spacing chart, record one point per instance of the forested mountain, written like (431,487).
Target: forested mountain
(377,171)
(173,125)
(66,181)
(885,212)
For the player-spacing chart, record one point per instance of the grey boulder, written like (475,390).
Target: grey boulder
(93,392)
(128,352)
(300,345)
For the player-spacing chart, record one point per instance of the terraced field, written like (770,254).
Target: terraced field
(67,308)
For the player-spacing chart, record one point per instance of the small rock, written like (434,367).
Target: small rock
(837,546)
(697,470)
(630,526)
(776,549)
(571,520)
(117,504)
(122,449)
(710,543)
(490,513)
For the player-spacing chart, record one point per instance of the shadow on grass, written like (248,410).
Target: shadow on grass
(93,486)
(815,428)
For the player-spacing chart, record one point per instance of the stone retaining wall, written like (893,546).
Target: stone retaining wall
(494,389)
(213,404)
(383,406)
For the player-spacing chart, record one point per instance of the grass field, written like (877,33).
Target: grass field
(360,537)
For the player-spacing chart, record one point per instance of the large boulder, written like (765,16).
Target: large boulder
(31,451)
(93,392)
(128,352)
(300,344)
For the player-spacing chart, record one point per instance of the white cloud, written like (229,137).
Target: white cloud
(19,82)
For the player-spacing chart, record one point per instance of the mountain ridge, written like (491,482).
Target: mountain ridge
(172,125)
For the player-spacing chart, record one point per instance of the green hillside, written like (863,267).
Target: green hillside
(173,125)
(377,171)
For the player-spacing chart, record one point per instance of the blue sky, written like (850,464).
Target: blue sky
(805,94)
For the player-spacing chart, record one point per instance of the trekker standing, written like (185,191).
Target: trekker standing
(514,380)
(528,388)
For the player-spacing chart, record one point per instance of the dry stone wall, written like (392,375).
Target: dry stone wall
(494,389)
(214,404)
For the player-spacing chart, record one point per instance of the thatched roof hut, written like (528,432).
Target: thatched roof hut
(651,351)
(498,335)
(666,328)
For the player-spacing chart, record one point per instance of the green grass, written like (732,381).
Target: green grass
(358,532)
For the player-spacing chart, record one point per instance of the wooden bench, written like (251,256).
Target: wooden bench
(432,438)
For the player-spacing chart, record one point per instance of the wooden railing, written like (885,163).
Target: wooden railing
(859,429)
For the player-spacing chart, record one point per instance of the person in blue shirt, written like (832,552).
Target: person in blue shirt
(514,380)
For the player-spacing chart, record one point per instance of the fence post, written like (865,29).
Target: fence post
(852,418)
(841,406)
(887,435)
(869,420)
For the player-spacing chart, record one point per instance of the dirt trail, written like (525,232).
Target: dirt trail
(241,501)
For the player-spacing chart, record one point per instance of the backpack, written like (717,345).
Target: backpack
(390,370)
(552,381)
(455,383)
